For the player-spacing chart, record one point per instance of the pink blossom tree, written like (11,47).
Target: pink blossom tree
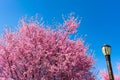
(36,53)
(105,75)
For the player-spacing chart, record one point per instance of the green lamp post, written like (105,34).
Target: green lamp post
(106,49)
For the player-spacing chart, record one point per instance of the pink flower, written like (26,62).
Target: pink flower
(105,75)
(72,24)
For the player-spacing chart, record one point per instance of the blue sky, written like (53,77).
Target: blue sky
(100,20)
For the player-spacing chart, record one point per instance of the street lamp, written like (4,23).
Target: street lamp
(106,49)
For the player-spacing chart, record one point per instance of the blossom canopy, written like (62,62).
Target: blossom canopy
(36,53)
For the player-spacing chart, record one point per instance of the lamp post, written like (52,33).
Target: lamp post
(106,49)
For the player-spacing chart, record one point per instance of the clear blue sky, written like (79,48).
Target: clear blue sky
(100,20)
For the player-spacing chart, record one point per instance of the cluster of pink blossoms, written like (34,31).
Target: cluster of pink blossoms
(36,53)
(105,75)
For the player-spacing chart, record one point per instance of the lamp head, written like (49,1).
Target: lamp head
(106,49)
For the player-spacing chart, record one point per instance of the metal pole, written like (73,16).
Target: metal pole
(110,72)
